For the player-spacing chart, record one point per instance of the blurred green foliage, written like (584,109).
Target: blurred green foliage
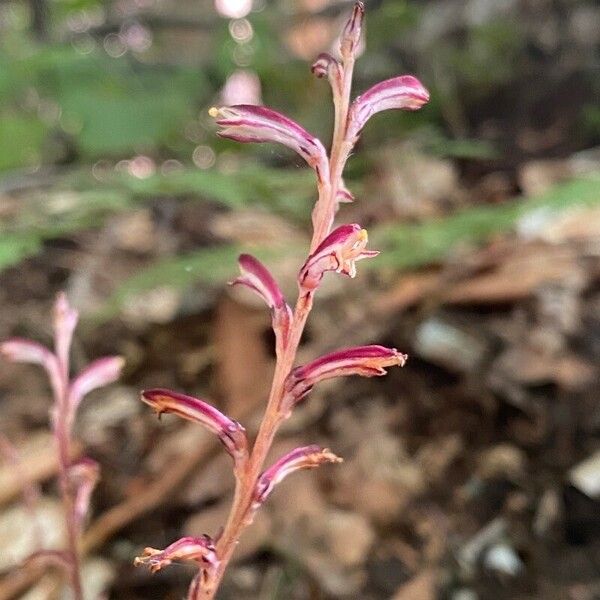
(106,107)
(405,246)
(68,103)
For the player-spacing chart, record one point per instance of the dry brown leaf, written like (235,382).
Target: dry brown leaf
(243,361)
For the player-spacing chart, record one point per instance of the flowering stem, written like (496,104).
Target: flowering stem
(330,250)
(242,509)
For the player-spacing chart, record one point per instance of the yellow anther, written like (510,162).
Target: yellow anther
(213,111)
(363,236)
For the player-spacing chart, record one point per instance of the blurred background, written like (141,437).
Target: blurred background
(472,473)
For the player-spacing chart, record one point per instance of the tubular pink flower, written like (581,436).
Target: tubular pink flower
(352,30)
(248,123)
(401,93)
(101,372)
(27,351)
(307,457)
(200,550)
(255,276)
(338,252)
(367,361)
(230,432)
(83,477)
(327,66)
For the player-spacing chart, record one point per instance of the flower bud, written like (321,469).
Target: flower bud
(405,93)
(352,30)
(248,123)
(368,361)
(338,252)
(200,550)
(65,321)
(256,276)
(327,66)
(230,432)
(307,457)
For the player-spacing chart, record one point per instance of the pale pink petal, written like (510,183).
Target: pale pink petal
(97,374)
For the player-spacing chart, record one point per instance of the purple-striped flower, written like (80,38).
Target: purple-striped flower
(256,276)
(405,92)
(338,252)
(248,123)
(352,30)
(368,361)
(83,477)
(307,457)
(230,432)
(200,550)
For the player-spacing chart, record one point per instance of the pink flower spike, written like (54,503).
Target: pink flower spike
(22,350)
(338,252)
(327,66)
(367,361)
(307,457)
(404,93)
(248,123)
(65,321)
(352,30)
(97,374)
(83,476)
(200,550)
(230,432)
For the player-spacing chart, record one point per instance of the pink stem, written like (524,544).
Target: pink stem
(62,437)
